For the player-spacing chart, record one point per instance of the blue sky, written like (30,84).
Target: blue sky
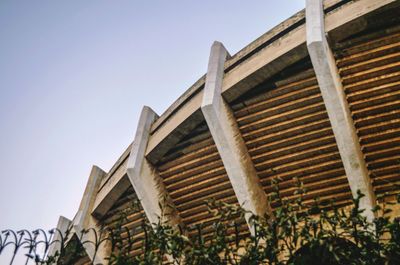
(74,76)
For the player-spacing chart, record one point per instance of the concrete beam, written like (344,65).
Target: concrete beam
(337,107)
(228,139)
(175,128)
(144,178)
(110,193)
(60,234)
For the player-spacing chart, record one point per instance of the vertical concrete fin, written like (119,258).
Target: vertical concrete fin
(89,197)
(59,237)
(144,177)
(228,139)
(83,219)
(337,107)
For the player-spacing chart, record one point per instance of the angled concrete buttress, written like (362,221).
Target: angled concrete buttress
(84,220)
(337,107)
(59,237)
(144,177)
(227,137)
(89,196)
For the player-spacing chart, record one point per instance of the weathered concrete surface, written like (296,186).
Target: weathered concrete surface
(227,137)
(60,234)
(144,177)
(84,220)
(111,191)
(89,197)
(107,197)
(337,106)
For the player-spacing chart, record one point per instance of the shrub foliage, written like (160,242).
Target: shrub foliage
(298,232)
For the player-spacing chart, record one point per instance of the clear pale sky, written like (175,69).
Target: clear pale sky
(74,76)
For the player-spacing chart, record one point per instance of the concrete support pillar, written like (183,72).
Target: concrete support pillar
(144,178)
(60,234)
(83,216)
(228,139)
(84,220)
(337,107)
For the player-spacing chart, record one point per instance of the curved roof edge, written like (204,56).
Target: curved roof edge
(186,106)
(245,53)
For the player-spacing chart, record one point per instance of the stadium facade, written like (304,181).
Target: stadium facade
(317,98)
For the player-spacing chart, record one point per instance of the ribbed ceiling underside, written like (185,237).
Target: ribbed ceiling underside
(193,173)
(288,134)
(127,214)
(370,71)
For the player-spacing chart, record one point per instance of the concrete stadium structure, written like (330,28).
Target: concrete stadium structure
(317,98)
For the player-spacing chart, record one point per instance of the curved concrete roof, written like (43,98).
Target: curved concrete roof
(267,55)
(279,119)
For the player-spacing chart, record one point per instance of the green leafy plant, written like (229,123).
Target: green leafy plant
(298,232)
